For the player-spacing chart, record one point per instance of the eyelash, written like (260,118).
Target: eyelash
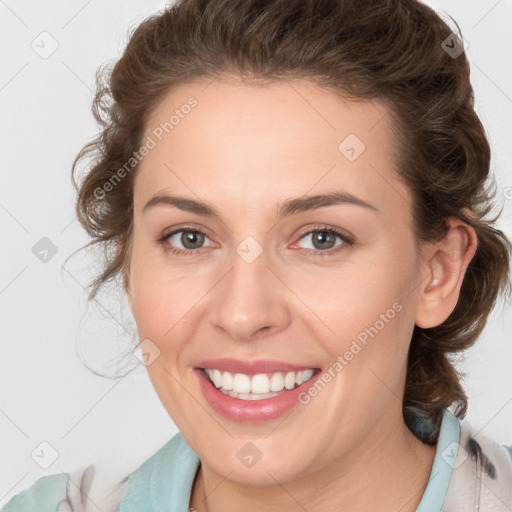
(346,239)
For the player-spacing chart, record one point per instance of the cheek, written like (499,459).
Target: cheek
(365,314)
(164,311)
(162,296)
(350,298)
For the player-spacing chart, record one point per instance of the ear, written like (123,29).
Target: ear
(445,264)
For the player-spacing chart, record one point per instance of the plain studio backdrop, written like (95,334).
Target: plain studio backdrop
(56,415)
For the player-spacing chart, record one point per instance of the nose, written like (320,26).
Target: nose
(250,301)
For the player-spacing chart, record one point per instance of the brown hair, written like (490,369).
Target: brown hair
(390,50)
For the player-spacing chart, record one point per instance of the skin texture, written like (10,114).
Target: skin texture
(245,149)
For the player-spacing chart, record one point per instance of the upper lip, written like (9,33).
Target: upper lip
(252,367)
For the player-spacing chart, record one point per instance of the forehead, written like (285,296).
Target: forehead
(261,143)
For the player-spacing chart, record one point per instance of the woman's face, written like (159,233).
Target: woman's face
(294,251)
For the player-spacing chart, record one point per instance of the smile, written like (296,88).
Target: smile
(253,391)
(259,386)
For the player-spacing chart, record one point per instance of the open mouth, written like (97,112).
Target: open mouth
(259,386)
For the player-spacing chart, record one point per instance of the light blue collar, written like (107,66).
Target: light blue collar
(163,483)
(446,453)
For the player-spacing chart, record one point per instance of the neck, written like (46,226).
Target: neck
(387,471)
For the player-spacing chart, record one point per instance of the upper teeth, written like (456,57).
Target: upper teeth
(259,383)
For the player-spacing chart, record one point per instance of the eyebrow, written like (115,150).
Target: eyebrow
(287,208)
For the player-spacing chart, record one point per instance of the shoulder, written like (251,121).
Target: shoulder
(82,490)
(482,472)
(164,477)
(45,495)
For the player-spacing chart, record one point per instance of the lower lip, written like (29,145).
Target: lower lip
(251,411)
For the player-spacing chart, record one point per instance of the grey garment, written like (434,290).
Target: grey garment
(481,479)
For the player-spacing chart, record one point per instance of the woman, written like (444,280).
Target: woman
(293,195)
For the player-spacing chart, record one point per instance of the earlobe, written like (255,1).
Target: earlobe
(445,267)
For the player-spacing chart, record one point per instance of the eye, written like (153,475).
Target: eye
(190,239)
(326,240)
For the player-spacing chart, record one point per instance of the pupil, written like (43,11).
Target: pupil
(324,238)
(192,238)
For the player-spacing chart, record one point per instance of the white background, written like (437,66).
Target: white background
(48,395)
